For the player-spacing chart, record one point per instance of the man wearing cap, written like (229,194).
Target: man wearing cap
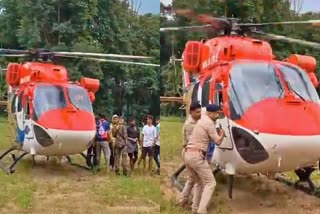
(119,132)
(194,116)
(197,166)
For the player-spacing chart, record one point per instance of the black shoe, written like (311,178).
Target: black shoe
(117,172)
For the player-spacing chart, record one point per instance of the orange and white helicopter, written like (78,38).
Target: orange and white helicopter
(271,107)
(51,115)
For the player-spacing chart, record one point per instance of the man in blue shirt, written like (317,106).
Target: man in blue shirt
(102,140)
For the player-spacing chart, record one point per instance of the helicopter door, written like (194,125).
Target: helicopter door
(223,123)
(28,123)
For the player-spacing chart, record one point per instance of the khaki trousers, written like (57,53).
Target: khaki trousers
(121,154)
(185,194)
(200,173)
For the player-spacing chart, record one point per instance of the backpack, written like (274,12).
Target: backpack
(102,133)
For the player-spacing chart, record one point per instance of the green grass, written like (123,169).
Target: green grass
(47,186)
(144,189)
(171,138)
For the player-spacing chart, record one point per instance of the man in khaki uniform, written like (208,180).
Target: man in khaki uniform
(119,132)
(195,158)
(195,114)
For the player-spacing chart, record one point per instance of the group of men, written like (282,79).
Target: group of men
(120,144)
(199,133)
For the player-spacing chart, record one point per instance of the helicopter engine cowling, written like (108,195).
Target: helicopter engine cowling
(13,74)
(90,84)
(192,56)
(307,63)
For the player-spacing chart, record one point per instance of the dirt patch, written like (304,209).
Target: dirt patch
(251,194)
(62,188)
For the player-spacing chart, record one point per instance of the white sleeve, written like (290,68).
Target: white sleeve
(143,130)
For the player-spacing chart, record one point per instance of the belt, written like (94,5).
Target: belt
(196,150)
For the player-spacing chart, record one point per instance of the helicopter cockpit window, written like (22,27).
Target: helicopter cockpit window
(27,111)
(13,104)
(79,98)
(48,97)
(206,92)
(19,108)
(299,82)
(252,83)
(218,95)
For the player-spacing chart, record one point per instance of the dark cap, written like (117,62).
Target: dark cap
(213,108)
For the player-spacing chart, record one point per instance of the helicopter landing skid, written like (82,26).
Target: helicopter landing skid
(304,177)
(174,178)
(175,181)
(10,169)
(78,165)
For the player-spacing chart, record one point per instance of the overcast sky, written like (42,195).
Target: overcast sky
(308,5)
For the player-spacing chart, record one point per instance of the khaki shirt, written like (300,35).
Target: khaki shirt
(119,132)
(203,132)
(187,129)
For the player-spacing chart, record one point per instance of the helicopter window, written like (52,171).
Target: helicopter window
(13,104)
(48,97)
(218,94)
(195,93)
(252,83)
(299,82)
(20,102)
(27,111)
(79,98)
(205,92)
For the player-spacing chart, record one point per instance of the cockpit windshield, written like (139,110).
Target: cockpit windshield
(299,82)
(48,97)
(79,98)
(251,83)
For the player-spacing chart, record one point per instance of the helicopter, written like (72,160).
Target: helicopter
(271,110)
(49,114)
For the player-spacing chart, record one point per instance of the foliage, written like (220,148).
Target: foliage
(103,26)
(249,10)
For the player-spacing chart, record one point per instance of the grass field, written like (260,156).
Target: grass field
(54,188)
(252,194)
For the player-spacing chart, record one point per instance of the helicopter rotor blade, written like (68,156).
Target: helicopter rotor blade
(195,27)
(4,51)
(287,39)
(13,55)
(114,61)
(312,22)
(217,23)
(99,55)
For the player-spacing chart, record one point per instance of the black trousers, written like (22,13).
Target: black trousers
(156,155)
(111,155)
(92,156)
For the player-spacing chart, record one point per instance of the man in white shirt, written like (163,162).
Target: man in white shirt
(157,146)
(149,136)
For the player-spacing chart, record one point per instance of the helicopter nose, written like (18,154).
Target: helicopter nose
(63,119)
(284,118)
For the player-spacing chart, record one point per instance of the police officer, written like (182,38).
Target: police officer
(194,116)
(197,166)
(119,132)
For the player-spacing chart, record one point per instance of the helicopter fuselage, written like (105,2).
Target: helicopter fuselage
(51,116)
(272,110)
